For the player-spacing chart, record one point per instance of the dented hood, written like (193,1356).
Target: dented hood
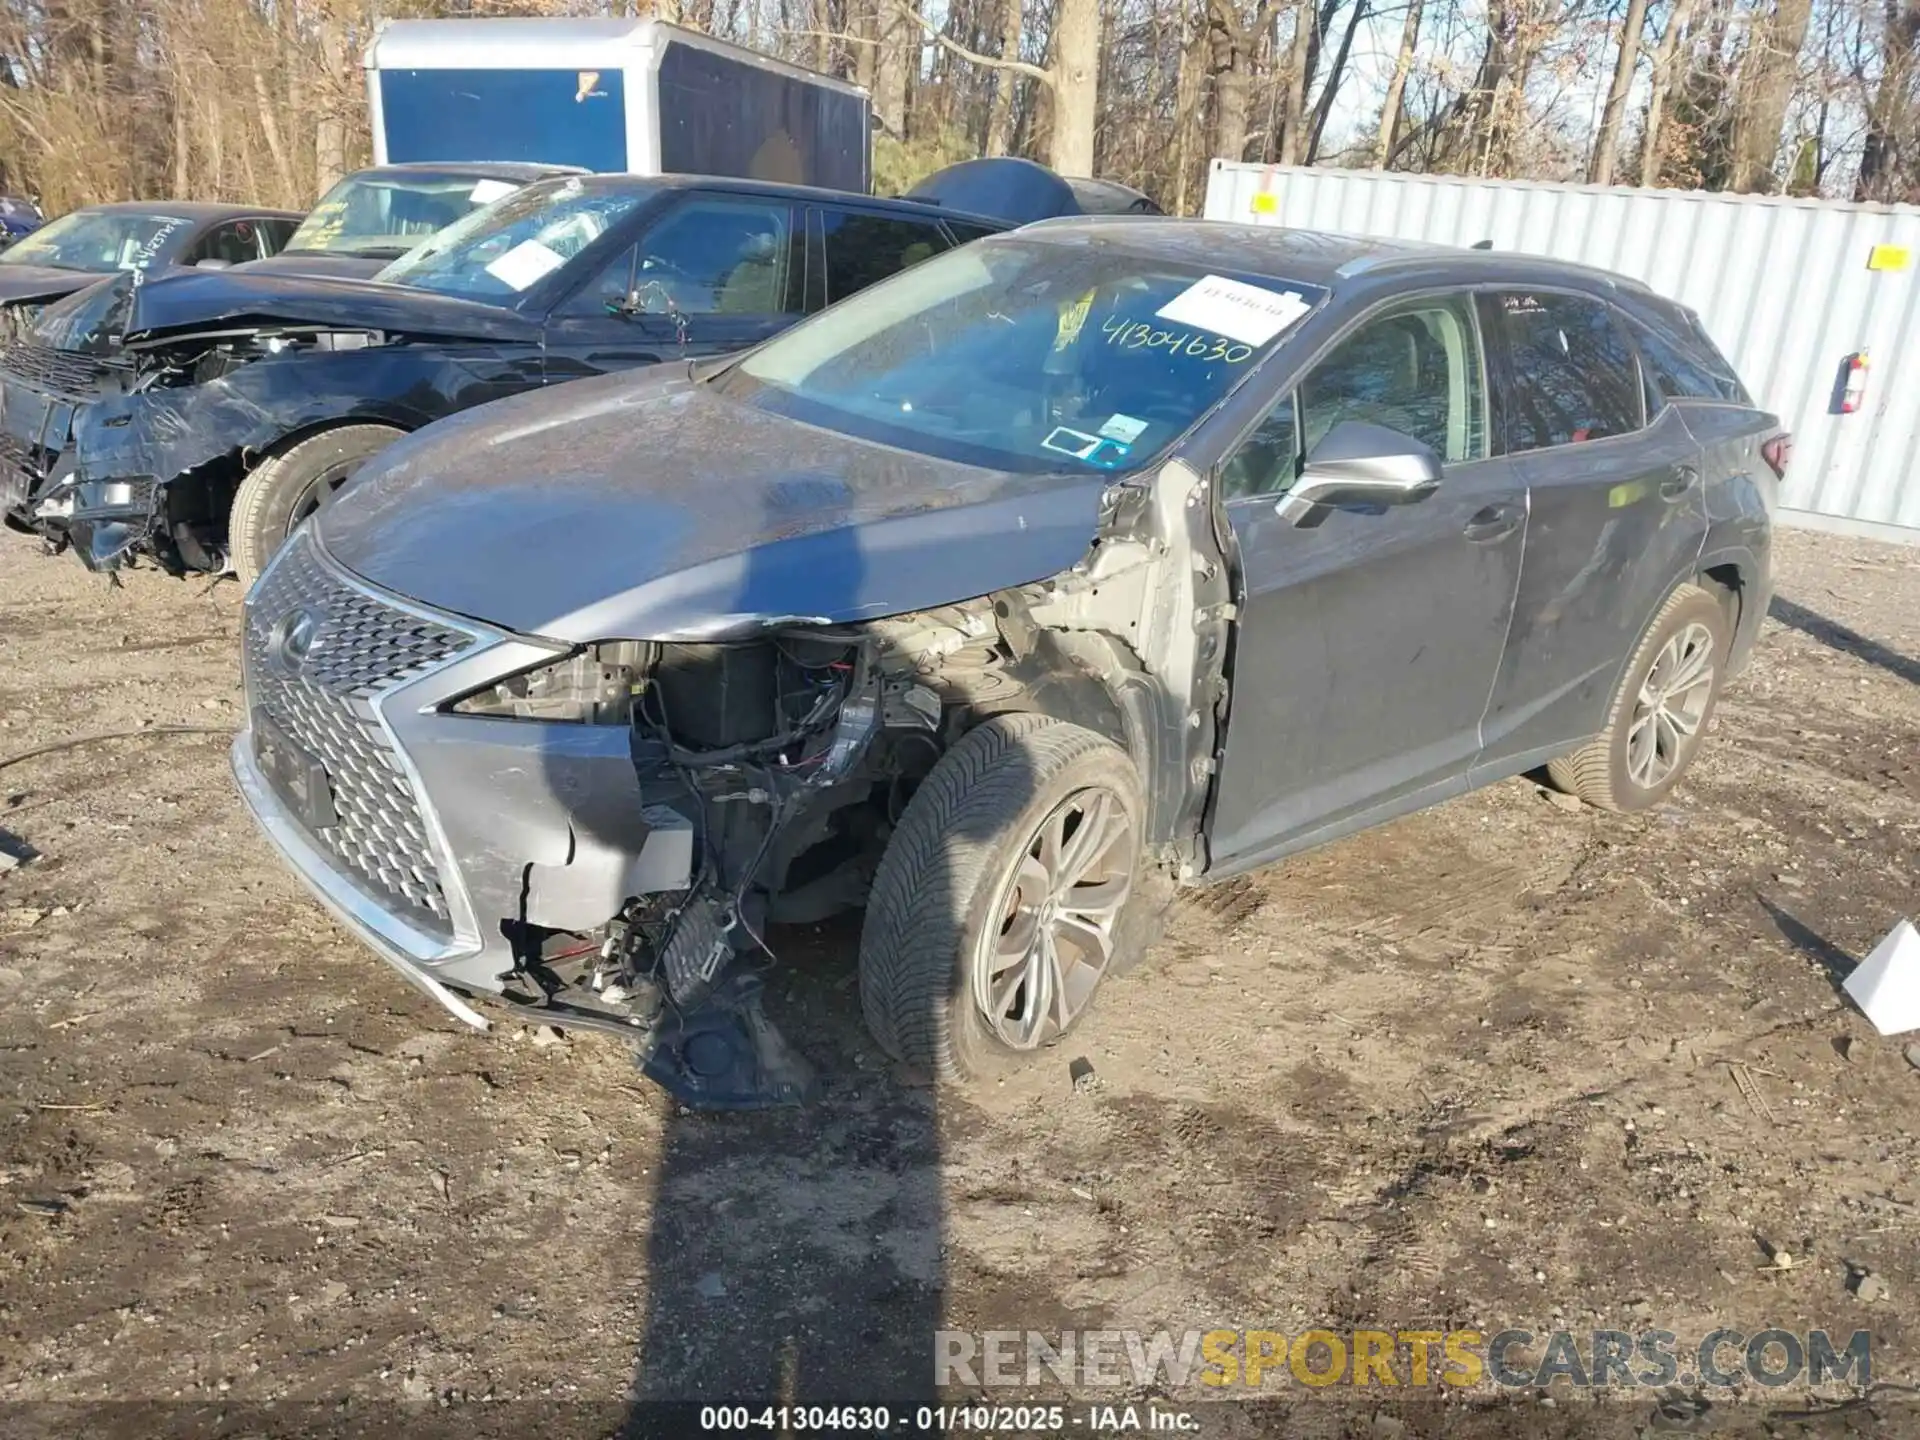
(21,284)
(644,506)
(186,301)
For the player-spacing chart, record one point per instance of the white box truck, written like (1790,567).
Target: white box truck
(611,95)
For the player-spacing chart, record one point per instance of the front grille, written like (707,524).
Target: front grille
(63,374)
(360,648)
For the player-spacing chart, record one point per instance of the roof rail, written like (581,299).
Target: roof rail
(1483,251)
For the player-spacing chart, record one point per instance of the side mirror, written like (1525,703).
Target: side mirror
(1361,464)
(213,264)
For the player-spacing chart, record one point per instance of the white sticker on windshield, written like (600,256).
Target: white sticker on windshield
(1232,308)
(486,192)
(1123,428)
(1076,443)
(524,264)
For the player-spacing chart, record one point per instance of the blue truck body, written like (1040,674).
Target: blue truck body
(639,96)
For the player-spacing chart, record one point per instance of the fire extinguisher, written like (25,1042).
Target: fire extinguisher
(1856,386)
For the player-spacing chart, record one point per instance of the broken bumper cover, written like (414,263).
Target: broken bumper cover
(106,520)
(428,833)
(409,950)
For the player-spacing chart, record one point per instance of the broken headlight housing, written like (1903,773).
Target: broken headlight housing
(594,685)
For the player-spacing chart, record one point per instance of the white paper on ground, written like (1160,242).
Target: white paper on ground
(524,264)
(485,192)
(1235,309)
(1886,985)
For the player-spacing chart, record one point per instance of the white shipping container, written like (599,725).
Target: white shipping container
(1790,289)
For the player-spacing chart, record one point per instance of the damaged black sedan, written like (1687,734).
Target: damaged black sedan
(79,248)
(1083,562)
(197,419)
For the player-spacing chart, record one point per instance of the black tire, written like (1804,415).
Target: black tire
(1601,772)
(947,876)
(284,489)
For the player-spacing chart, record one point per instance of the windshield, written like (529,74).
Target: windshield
(497,253)
(1027,356)
(96,240)
(390,214)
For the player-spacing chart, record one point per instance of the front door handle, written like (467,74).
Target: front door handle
(1492,522)
(1682,479)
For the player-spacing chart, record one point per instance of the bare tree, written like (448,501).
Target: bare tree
(1397,87)
(1607,142)
(1764,89)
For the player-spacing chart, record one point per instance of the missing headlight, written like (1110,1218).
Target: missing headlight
(594,685)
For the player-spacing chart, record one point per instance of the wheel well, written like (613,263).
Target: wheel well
(320,427)
(1725,584)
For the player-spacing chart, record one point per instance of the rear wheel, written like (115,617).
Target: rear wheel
(287,488)
(1002,900)
(1660,713)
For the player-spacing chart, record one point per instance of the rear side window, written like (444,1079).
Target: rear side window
(864,248)
(275,232)
(1677,370)
(1574,377)
(962,232)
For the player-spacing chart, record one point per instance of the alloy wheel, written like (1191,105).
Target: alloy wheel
(1671,706)
(1035,970)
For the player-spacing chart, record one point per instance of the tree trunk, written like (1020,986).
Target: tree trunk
(1891,117)
(895,54)
(1005,82)
(330,134)
(1187,116)
(1397,88)
(1306,16)
(1767,75)
(1665,75)
(1607,142)
(1330,90)
(1076,84)
(1231,64)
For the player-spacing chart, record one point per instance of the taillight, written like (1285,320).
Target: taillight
(1777,452)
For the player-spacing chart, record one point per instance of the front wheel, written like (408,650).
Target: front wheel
(1001,902)
(1660,713)
(285,489)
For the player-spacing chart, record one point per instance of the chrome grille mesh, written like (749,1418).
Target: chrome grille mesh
(360,647)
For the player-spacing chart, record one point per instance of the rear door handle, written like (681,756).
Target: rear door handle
(1679,482)
(1492,522)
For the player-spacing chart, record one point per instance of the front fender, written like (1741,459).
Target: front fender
(163,433)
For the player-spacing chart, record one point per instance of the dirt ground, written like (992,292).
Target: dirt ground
(1499,1065)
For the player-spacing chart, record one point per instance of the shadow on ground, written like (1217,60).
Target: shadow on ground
(1834,635)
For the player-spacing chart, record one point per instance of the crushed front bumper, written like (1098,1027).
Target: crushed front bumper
(431,835)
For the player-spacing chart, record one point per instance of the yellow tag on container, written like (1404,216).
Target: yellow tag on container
(1889,257)
(1265,203)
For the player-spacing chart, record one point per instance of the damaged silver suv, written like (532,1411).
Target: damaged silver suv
(1068,568)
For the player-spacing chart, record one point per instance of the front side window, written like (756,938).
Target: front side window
(864,248)
(1026,355)
(1415,369)
(499,253)
(235,242)
(608,291)
(716,255)
(1574,375)
(98,240)
(387,215)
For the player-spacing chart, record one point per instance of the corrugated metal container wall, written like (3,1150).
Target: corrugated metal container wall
(1783,287)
